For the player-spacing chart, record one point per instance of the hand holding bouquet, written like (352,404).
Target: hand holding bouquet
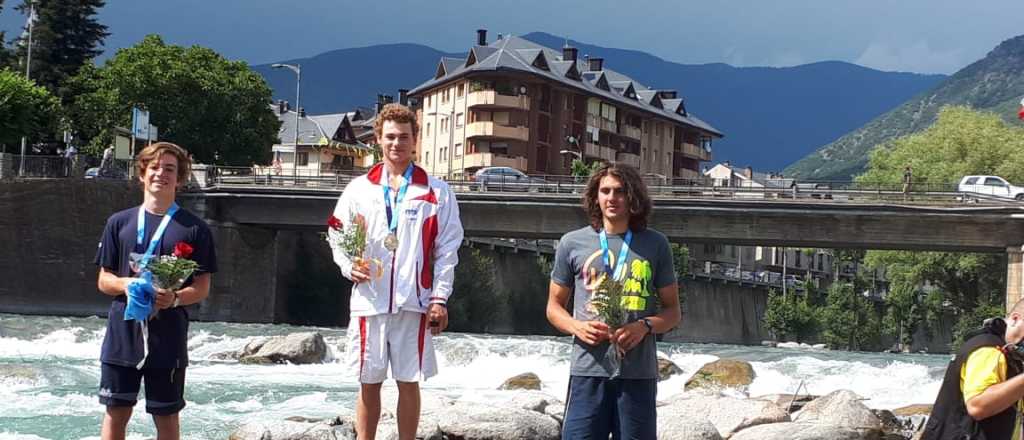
(351,240)
(171,271)
(607,304)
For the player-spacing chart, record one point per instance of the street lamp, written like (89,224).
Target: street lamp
(575,143)
(298,83)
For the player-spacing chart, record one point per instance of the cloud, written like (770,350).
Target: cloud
(917,57)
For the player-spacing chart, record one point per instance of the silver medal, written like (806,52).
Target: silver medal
(391,242)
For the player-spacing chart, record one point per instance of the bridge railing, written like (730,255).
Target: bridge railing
(704,188)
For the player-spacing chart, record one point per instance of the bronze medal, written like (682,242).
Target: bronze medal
(391,242)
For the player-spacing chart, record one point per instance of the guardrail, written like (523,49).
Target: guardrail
(824,191)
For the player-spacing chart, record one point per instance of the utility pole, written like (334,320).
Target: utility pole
(28,76)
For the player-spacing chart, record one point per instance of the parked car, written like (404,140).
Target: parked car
(991,186)
(506,179)
(109,173)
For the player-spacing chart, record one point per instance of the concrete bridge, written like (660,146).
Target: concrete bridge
(270,251)
(997,228)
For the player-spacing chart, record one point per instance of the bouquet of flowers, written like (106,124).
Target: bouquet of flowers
(351,241)
(607,304)
(171,271)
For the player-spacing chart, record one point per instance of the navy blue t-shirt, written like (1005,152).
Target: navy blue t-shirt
(168,330)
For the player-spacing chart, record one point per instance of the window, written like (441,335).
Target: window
(971,181)
(303,159)
(994,181)
(798,254)
(458,120)
(428,129)
(460,89)
(428,100)
(444,155)
(426,157)
(705,143)
(444,124)
(458,150)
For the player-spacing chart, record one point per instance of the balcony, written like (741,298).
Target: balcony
(490,99)
(628,159)
(596,151)
(485,130)
(631,132)
(686,173)
(479,160)
(602,123)
(693,151)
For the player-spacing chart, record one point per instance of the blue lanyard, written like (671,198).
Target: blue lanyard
(141,232)
(393,217)
(619,271)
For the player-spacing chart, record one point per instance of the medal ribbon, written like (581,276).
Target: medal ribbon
(157,235)
(619,271)
(393,216)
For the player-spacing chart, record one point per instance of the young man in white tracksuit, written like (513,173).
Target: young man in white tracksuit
(413,238)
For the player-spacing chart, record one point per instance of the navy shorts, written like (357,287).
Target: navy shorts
(598,406)
(165,388)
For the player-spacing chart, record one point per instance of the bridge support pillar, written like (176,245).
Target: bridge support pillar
(1014,275)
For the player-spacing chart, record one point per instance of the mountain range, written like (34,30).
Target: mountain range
(994,83)
(771,116)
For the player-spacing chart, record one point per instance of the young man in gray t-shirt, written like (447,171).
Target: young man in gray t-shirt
(617,244)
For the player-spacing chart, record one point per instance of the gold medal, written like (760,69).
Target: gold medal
(391,242)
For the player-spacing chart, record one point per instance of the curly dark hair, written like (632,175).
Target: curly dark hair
(633,185)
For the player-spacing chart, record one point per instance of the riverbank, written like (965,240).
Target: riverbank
(49,372)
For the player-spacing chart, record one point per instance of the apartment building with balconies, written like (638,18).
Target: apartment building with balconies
(515,103)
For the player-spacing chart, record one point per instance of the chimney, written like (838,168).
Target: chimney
(481,37)
(282,106)
(596,64)
(403,96)
(667,94)
(749,172)
(380,104)
(388,99)
(302,112)
(569,53)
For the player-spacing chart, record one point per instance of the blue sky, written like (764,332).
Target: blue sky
(927,36)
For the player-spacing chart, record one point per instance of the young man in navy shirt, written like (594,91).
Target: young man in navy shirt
(160,359)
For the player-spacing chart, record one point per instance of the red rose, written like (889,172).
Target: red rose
(182,250)
(334,223)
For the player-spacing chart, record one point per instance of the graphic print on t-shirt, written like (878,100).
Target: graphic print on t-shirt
(635,284)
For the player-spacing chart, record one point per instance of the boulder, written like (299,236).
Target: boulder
(686,427)
(525,381)
(727,414)
(723,373)
(294,430)
(19,374)
(788,402)
(296,348)
(475,421)
(667,369)
(839,408)
(801,431)
(919,409)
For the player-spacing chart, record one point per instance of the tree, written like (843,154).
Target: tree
(790,316)
(209,105)
(903,314)
(65,37)
(582,170)
(26,109)
(6,57)
(849,319)
(961,142)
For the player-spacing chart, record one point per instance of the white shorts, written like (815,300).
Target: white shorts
(402,340)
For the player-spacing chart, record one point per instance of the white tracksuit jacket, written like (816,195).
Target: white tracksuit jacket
(420,272)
